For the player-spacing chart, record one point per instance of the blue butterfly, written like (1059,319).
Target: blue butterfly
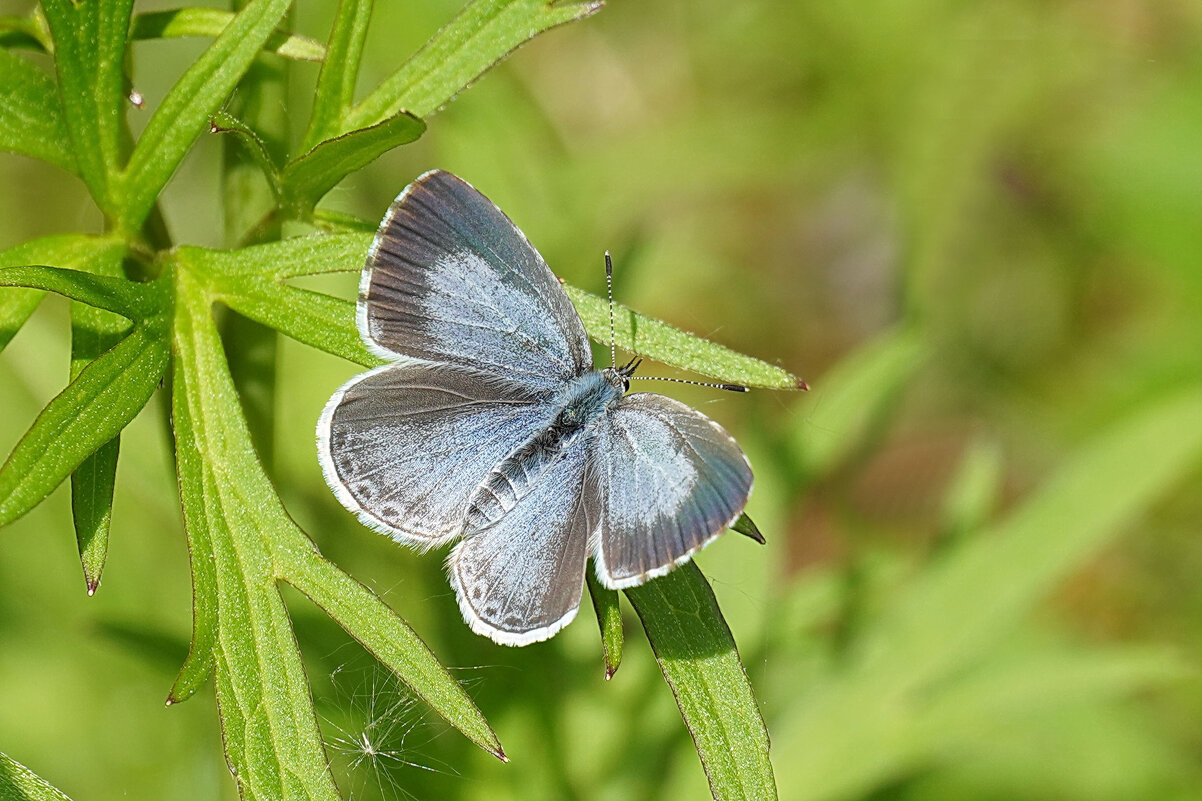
(489,425)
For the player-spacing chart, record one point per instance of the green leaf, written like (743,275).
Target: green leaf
(72,250)
(93,409)
(31,119)
(747,527)
(307,179)
(223,122)
(339,72)
(850,402)
(25,32)
(188,107)
(89,54)
(481,35)
(237,279)
(268,724)
(697,655)
(19,783)
(381,631)
(657,340)
(946,625)
(93,333)
(609,620)
(130,299)
(211,22)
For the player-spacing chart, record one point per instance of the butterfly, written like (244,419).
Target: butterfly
(488,424)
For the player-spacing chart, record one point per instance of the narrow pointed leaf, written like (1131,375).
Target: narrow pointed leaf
(697,656)
(92,410)
(381,631)
(251,143)
(306,180)
(89,54)
(19,783)
(339,72)
(747,527)
(609,620)
(185,112)
(211,22)
(484,33)
(268,723)
(31,119)
(80,252)
(657,340)
(93,333)
(132,300)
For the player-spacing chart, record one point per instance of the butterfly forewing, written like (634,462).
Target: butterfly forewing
(519,580)
(451,279)
(664,480)
(405,445)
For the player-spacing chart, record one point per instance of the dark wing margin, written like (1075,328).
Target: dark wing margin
(405,445)
(519,580)
(665,481)
(449,278)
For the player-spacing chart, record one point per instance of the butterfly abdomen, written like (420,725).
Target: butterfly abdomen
(584,401)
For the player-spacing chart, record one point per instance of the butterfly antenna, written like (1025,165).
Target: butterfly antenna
(609,290)
(727,387)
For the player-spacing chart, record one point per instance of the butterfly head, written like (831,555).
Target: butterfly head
(619,377)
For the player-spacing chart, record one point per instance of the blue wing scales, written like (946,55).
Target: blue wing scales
(451,279)
(664,481)
(405,445)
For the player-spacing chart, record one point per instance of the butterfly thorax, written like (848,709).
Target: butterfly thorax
(577,408)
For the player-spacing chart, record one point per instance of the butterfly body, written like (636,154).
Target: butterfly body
(581,405)
(490,426)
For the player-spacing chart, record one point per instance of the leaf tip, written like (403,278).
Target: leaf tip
(610,670)
(499,753)
(93,583)
(803,386)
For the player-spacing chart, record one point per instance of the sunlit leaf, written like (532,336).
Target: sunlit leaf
(339,72)
(93,409)
(211,22)
(89,54)
(609,620)
(697,655)
(484,33)
(307,179)
(31,119)
(19,783)
(187,108)
(72,250)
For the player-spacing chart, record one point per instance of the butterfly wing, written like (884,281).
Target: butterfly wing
(519,580)
(664,481)
(450,278)
(405,445)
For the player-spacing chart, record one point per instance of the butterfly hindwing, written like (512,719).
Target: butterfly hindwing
(405,445)
(664,480)
(450,278)
(519,580)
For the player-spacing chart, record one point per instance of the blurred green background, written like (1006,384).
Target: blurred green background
(975,229)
